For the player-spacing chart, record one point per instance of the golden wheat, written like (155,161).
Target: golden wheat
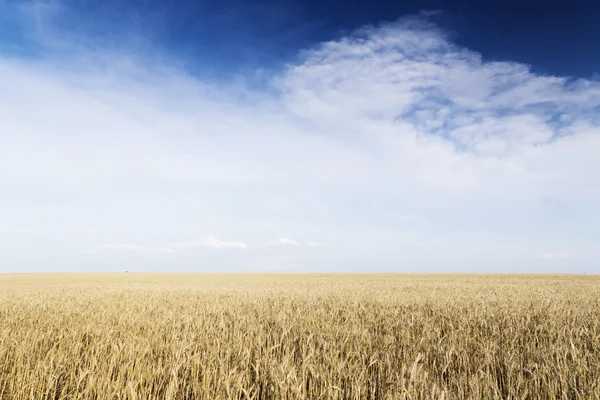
(152,336)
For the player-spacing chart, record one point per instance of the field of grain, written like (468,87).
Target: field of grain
(151,336)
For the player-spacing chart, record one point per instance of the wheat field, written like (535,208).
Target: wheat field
(220,336)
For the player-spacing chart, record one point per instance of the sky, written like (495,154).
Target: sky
(299,136)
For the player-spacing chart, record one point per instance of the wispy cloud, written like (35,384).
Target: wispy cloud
(387,119)
(210,242)
(292,242)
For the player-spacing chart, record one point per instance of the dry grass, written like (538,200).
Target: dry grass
(142,336)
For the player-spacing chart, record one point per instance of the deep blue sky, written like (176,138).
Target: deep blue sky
(557,38)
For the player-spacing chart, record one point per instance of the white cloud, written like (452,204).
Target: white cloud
(283,242)
(210,242)
(358,131)
(292,242)
(207,242)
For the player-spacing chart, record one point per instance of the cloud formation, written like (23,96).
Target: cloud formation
(292,242)
(498,163)
(440,118)
(210,242)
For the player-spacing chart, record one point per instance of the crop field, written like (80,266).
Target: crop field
(220,336)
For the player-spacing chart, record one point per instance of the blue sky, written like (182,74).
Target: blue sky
(299,136)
